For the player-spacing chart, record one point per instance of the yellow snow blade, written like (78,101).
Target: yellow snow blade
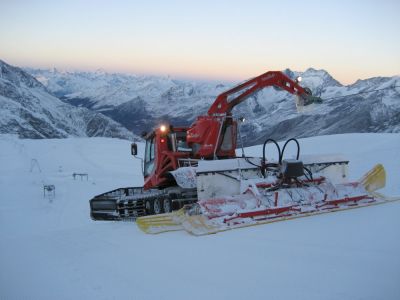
(199,225)
(159,223)
(375,179)
(177,220)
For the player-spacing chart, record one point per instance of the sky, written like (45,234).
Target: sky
(226,40)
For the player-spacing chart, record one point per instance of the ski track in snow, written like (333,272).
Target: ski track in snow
(55,251)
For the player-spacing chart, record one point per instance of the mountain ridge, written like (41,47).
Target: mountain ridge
(30,110)
(142,102)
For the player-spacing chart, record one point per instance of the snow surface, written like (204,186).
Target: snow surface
(53,250)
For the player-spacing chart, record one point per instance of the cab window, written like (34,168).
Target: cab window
(227,142)
(149,156)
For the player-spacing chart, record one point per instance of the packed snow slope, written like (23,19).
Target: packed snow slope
(52,250)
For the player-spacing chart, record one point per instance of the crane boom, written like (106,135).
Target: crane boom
(226,101)
(214,135)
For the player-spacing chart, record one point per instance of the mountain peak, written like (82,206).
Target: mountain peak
(17,76)
(321,77)
(30,111)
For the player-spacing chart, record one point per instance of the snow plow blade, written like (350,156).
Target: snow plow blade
(174,221)
(195,220)
(160,223)
(375,179)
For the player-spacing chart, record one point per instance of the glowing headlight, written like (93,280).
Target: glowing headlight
(298,79)
(163,128)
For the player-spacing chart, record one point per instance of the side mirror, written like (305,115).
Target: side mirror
(134,149)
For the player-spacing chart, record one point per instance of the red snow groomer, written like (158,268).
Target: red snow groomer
(193,179)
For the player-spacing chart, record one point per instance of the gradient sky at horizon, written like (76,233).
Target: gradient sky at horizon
(226,40)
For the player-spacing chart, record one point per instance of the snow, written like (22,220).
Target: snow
(52,250)
(27,108)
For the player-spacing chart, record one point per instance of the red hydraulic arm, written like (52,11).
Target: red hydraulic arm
(229,99)
(209,135)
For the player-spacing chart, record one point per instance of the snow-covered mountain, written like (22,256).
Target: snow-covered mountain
(141,102)
(138,102)
(29,110)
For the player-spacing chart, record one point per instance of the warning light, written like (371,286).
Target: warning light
(162,140)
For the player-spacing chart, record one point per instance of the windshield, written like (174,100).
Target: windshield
(149,156)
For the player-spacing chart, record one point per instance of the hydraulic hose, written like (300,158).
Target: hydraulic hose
(284,146)
(263,165)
